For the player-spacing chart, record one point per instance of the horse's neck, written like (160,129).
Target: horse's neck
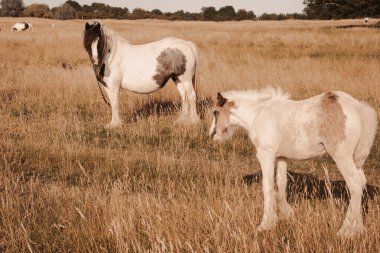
(115,38)
(116,43)
(247,113)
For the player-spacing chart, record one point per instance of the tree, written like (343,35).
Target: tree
(178,15)
(245,15)
(101,10)
(226,13)
(38,11)
(139,13)
(241,14)
(119,13)
(268,16)
(209,13)
(156,12)
(337,9)
(77,7)
(12,8)
(251,15)
(65,12)
(99,7)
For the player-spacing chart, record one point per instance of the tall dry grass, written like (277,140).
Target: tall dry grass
(69,185)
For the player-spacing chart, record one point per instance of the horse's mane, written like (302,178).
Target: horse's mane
(105,36)
(254,95)
(112,34)
(91,35)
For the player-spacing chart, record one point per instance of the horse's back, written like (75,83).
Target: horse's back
(176,43)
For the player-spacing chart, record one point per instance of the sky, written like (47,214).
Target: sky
(257,6)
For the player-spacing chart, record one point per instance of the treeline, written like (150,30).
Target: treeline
(73,10)
(341,9)
(314,9)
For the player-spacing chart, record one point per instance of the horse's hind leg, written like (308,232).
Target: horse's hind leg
(355,179)
(281,178)
(189,102)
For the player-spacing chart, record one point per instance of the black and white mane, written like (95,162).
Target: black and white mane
(92,33)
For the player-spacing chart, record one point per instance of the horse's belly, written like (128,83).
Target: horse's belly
(137,76)
(301,152)
(141,87)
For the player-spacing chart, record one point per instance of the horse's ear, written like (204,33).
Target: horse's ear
(97,26)
(220,100)
(87,26)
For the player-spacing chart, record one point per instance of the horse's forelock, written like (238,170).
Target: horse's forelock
(88,38)
(90,35)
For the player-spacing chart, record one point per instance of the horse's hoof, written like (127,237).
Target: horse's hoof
(264,226)
(346,232)
(287,212)
(195,120)
(113,125)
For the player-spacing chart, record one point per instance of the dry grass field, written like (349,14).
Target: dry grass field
(69,185)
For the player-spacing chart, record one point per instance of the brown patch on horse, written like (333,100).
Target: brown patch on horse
(171,63)
(332,121)
(26,26)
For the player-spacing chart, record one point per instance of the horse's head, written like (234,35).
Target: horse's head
(94,41)
(224,123)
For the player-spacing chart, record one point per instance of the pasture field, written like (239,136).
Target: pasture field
(69,185)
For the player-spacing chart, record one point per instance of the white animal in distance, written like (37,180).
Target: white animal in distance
(22,26)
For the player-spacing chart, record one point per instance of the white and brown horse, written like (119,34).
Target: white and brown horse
(142,68)
(22,26)
(281,129)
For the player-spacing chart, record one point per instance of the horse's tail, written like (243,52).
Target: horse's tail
(369,125)
(195,78)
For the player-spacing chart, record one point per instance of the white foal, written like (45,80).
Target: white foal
(142,68)
(280,128)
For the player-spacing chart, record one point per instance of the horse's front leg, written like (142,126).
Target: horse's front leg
(267,159)
(113,88)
